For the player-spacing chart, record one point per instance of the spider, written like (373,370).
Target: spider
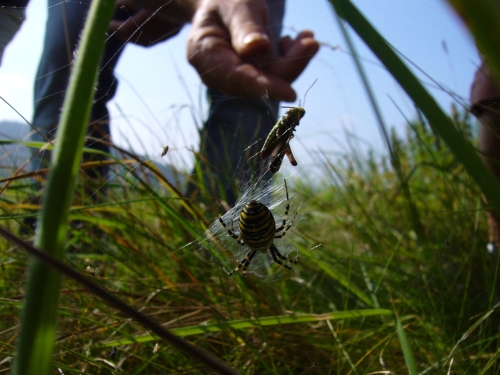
(258,231)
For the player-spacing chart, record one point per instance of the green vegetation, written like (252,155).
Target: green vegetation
(369,269)
(394,276)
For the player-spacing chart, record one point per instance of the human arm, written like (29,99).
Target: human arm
(229,44)
(144,27)
(230,47)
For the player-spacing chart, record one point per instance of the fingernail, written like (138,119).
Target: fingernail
(255,37)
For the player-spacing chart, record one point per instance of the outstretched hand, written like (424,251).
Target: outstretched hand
(231,50)
(229,45)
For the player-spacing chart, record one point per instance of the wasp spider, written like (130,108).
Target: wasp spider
(258,231)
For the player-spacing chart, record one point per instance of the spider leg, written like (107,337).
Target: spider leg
(240,241)
(244,263)
(288,152)
(275,254)
(231,232)
(248,259)
(285,216)
(285,228)
(278,254)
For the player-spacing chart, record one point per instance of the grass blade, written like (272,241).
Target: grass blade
(259,322)
(483,20)
(405,345)
(438,120)
(56,264)
(38,320)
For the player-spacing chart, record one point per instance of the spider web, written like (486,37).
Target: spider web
(227,251)
(161,102)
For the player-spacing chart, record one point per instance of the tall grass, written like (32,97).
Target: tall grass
(373,297)
(38,320)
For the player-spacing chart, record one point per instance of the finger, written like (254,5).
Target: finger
(285,44)
(245,80)
(221,68)
(247,23)
(296,58)
(127,4)
(305,34)
(115,25)
(144,28)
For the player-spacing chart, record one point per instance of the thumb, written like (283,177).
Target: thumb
(247,23)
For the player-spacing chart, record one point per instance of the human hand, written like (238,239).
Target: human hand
(230,47)
(144,28)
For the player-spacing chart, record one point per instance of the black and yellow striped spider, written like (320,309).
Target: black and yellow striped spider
(258,231)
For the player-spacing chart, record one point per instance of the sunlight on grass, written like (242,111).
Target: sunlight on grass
(372,292)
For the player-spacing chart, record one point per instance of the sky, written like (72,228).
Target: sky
(161,100)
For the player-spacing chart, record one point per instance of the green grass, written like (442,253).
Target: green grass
(369,261)
(393,272)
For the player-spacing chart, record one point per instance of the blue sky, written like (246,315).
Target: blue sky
(159,91)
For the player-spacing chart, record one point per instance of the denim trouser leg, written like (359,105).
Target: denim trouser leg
(10,23)
(236,130)
(64,25)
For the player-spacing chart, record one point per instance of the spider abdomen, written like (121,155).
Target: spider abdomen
(257,226)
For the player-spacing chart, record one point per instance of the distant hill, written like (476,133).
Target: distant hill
(13,156)
(13,129)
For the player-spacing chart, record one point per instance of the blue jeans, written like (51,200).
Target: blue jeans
(65,23)
(235,131)
(10,23)
(233,123)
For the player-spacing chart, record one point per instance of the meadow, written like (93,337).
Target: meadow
(393,272)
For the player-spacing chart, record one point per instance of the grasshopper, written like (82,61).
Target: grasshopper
(277,143)
(275,164)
